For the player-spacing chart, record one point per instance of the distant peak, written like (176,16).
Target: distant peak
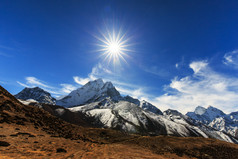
(99,80)
(211,108)
(98,83)
(200,110)
(37,94)
(33,88)
(37,88)
(109,84)
(172,112)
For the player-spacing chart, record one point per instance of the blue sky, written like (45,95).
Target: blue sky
(184,53)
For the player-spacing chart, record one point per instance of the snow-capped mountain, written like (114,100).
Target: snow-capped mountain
(206,115)
(234,116)
(217,119)
(97,90)
(102,103)
(129,117)
(36,94)
(143,104)
(90,92)
(178,117)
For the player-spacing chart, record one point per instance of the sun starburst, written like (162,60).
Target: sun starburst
(114,46)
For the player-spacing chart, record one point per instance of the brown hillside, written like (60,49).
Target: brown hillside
(31,132)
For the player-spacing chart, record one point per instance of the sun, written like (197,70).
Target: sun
(114,46)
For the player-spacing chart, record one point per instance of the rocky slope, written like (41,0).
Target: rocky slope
(102,105)
(91,92)
(217,119)
(143,104)
(97,90)
(130,118)
(30,132)
(37,94)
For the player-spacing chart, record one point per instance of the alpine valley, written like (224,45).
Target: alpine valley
(102,106)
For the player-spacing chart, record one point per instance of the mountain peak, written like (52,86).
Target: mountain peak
(98,83)
(92,91)
(200,110)
(171,112)
(37,94)
(214,109)
(109,85)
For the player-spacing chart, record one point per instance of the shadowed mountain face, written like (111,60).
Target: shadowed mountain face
(37,94)
(101,105)
(97,91)
(216,119)
(90,92)
(14,112)
(65,114)
(31,132)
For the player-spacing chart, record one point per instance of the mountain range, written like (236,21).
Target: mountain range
(216,119)
(106,108)
(36,131)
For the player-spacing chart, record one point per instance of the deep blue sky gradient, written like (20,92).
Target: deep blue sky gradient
(52,40)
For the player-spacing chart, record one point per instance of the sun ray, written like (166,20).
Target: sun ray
(114,46)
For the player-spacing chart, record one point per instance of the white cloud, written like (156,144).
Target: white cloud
(81,81)
(33,82)
(135,93)
(125,88)
(67,88)
(231,58)
(37,82)
(180,63)
(98,71)
(22,84)
(198,65)
(204,87)
(2,82)
(155,70)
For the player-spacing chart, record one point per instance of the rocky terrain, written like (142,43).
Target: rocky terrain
(36,94)
(31,132)
(216,119)
(101,105)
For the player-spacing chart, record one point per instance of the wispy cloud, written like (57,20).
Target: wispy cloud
(135,93)
(34,81)
(81,81)
(198,66)
(6,51)
(22,84)
(204,87)
(2,82)
(180,63)
(98,71)
(231,59)
(125,88)
(62,89)
(155,70)
(67,88)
